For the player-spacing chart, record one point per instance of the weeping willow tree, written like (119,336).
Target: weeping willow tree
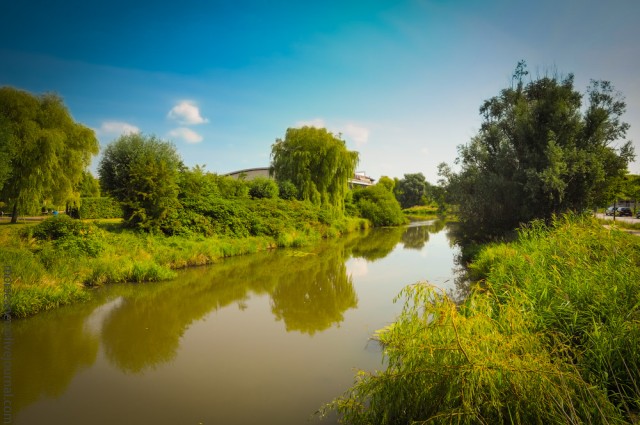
(44,152)
(317,163)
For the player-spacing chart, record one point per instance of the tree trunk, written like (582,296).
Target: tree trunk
(14,216)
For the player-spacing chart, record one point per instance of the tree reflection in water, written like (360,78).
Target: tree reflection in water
(47,351)
(309,292)
(315,292)
(416,235)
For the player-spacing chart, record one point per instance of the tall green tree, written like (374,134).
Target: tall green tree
(538,154)
(317,162)
(142,173)
(43,151)
(411,190)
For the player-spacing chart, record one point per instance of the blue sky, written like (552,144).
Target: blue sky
(402,81)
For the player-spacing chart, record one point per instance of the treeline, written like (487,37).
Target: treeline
(44,155)
(159,194)
(540,152)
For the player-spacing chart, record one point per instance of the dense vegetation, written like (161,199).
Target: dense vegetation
(317,163)
(550,335)
(43,151)
(378,205)
(57,260)
(141,172)
(540,152)
(104,207)
(173,216)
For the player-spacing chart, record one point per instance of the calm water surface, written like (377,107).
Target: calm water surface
(261,339)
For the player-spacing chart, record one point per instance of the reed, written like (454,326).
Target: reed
(550,334)
(477,365)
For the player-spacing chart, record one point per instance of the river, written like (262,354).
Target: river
(261,339)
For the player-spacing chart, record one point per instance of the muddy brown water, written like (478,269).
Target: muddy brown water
(261,339)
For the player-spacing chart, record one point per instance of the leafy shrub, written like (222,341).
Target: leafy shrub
(73,237)
(287,190)
(377,204)
(59,227)
(104,207)
(262,187)
(232,188)
(79,245)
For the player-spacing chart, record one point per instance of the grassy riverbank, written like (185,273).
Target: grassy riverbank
(551,334)
(57,262)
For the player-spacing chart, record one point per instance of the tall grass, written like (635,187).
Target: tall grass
(551,334)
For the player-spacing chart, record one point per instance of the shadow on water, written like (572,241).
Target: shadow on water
(140,325)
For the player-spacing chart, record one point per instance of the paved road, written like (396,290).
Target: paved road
(627,219)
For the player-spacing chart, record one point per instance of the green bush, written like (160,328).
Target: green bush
(579,282)
(262,187)
(72,237)
(59,227)
(287,190)
(378,205)
(232,188)
(104,207)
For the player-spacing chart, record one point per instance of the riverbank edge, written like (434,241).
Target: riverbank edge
(32,289)
(573,270)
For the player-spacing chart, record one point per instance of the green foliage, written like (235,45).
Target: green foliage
(104,207)
(58,227)
(89,186)
(141,172)
(551,335)
(411,190)
(262,187)
(44,152)
(387,182)
(287,190)
(538,154)
(232,188)
(479,364)
(71,237)
(317,163)
(378,205)
(578,282)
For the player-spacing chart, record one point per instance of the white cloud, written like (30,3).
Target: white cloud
(425,151)
(186,113)
(316,122)
(117,128)
(186,134)
(359,134)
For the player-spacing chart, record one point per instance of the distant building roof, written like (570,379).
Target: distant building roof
(250,173)
(359,178)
